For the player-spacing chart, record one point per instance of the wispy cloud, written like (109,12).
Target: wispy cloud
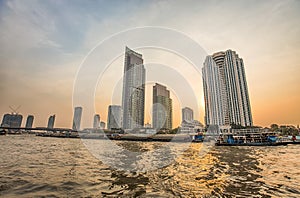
(43,42)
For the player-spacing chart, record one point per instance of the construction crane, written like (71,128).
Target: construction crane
(15,111)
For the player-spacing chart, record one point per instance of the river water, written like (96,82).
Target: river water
(33,166)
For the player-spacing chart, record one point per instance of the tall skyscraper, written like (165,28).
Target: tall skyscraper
(77,118)
(187,114)
(162,108)
(114,118)
(29,121)
(51,121)
(225,90)
(96,123)
(133,96)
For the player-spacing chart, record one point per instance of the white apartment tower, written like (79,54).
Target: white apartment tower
(225,90)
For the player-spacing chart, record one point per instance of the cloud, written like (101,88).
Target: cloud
(43,42)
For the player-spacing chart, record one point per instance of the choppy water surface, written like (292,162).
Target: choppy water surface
(35,166)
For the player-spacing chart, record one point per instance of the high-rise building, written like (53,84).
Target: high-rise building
(225,90)
(96,123)
(12,120)
(51,121)
(133,96)
(102,125)
(187,114)
(29,121)
(162,108)
(114,118)
(77,118)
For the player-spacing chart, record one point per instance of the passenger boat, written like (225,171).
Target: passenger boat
(199,137)
(250,139)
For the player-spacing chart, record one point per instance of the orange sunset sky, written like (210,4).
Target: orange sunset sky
(43,44)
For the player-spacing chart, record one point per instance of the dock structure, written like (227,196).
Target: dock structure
(227,139)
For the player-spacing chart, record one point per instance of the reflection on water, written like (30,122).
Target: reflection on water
(35,166)
(135,156)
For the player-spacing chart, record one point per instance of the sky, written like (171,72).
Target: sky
(45,44)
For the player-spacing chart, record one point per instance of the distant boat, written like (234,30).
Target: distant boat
(2,132)
(198,137)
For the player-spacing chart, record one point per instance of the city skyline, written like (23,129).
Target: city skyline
(224,81)
(40,56)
